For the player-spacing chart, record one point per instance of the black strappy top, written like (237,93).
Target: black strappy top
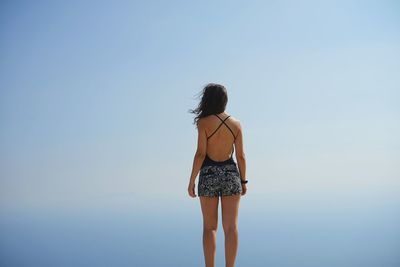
(207,160)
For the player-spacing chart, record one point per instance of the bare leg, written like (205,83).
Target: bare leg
(230,209)
(209,208)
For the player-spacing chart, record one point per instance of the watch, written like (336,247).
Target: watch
(244,182)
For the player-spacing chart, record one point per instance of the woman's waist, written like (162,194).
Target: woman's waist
(210,162)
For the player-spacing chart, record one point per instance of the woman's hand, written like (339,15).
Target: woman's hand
(191,189)
(244,189)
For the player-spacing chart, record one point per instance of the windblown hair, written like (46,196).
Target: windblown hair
(214,98)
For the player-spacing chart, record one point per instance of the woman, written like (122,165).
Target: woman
(219,175)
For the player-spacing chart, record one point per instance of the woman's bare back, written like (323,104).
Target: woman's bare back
(220,142)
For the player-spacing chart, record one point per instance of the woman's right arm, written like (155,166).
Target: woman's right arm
(240,155)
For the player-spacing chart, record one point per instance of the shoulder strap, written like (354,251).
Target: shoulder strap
(223,122)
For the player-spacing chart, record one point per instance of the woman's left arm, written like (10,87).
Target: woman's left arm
(200,152)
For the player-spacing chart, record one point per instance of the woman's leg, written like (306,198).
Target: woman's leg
(209,208)
(230,209)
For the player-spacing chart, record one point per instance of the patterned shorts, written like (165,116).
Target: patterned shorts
(219,180)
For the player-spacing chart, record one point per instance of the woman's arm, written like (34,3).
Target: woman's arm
(200,152)
(240,156)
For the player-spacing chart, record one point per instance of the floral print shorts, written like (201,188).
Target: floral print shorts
(219,180)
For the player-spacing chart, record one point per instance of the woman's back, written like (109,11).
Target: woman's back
(221,130)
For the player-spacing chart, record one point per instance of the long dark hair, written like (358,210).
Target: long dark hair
(214,98)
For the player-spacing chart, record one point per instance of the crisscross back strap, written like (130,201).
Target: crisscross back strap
(222,122)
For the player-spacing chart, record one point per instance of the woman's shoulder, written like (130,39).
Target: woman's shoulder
(233,118)
(211,116)
(235,122)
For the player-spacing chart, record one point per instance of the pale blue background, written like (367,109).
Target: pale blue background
(97,144)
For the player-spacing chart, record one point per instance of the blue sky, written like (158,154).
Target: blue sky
(96,94)
(94,98)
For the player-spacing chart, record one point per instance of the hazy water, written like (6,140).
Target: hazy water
(297,235)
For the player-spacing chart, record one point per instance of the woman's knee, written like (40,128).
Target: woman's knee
(210,227)
(230,228)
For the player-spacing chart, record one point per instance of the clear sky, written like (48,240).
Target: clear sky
(94,100)
(94,96)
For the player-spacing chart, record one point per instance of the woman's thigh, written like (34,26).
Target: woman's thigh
(209,208)
(230,210)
